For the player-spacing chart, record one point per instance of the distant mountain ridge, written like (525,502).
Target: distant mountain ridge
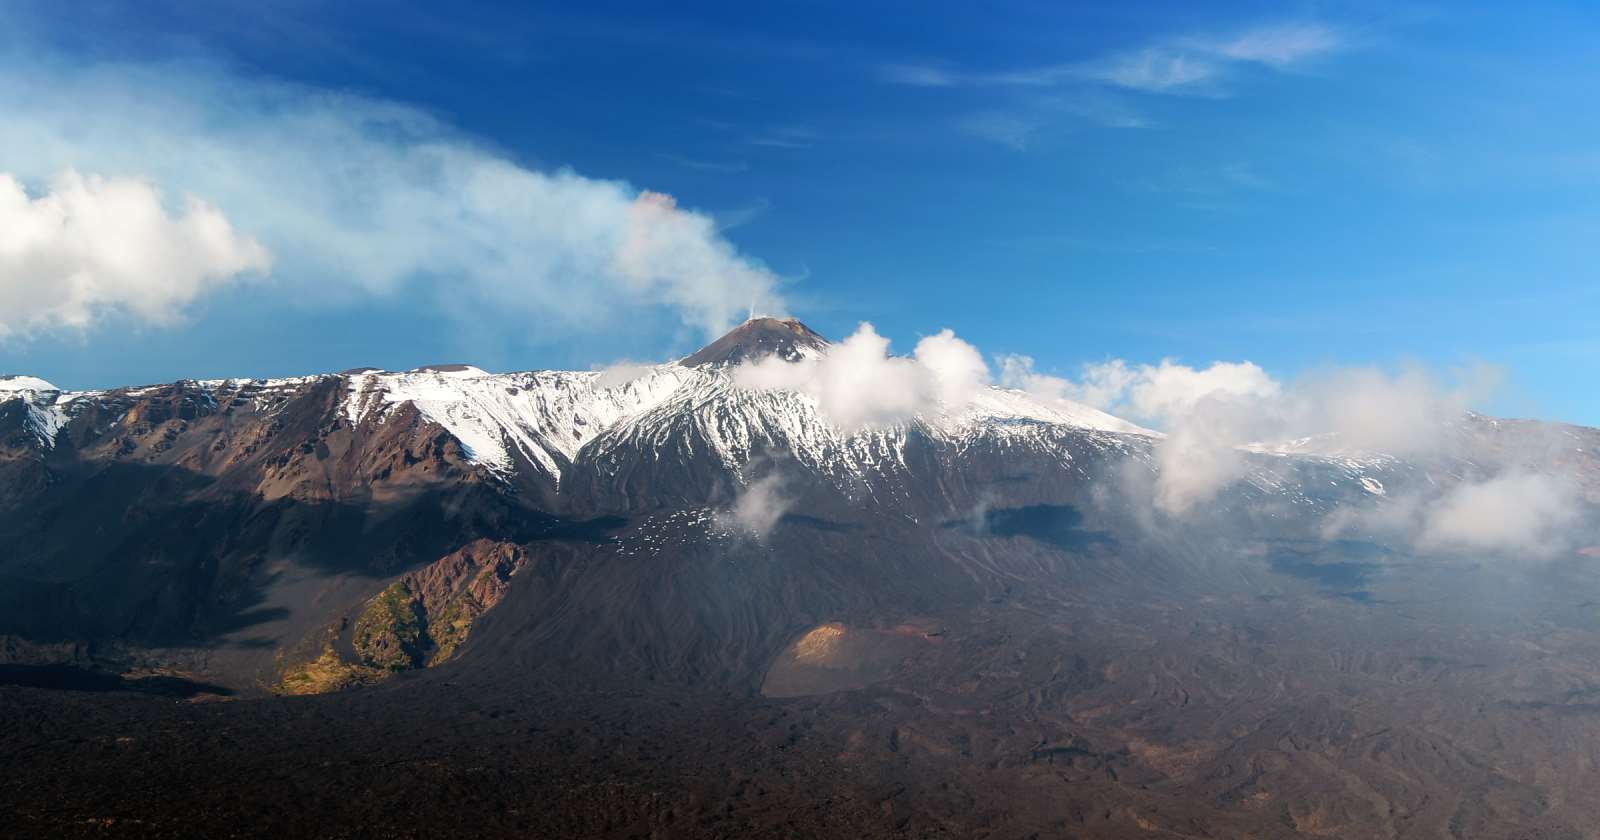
(262,512)
(536,422)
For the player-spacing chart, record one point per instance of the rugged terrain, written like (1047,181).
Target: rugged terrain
(521,604)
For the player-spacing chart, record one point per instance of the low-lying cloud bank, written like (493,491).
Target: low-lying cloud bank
(858,385)
(1219,421)
(354,197)
(1517,512)
(1512,512)
(1213,415)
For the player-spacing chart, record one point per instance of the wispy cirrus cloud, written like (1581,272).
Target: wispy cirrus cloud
(785,137)
(1011,130)
(934,76)
(1188,65)
(736,217)
(780,142)
(1193,65)
(1205,184)
(923,75)
(1281,45)
(1154,70)
(718,166)
(1020,126)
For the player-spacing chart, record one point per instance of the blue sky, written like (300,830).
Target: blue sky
(1300,185)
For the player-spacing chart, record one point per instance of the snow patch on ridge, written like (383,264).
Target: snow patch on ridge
(16,383)
(43,404)
(992,404)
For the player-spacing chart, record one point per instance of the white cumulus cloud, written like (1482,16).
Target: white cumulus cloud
(88,245)
(858,384)
(1169,391)
(956,368)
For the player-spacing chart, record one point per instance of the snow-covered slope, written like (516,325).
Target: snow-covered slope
(547,417)
(543,416)
(1003,406)
(542,420)
(43,404)
(16,384)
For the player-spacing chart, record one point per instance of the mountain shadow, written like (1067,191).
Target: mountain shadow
(1057,525)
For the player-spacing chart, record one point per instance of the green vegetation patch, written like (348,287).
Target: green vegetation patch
(328,672)
(451,627)
(392,634)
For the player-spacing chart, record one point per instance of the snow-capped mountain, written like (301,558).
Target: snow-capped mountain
(685,431)
(256,524)
(538,424)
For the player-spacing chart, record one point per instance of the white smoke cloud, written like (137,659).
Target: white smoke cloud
(857,384)
(759,507)
(359,197)
(1195,462)
(1518,512)
(90,245)
(1393,518)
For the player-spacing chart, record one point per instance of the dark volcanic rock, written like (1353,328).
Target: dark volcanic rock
(785,338)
